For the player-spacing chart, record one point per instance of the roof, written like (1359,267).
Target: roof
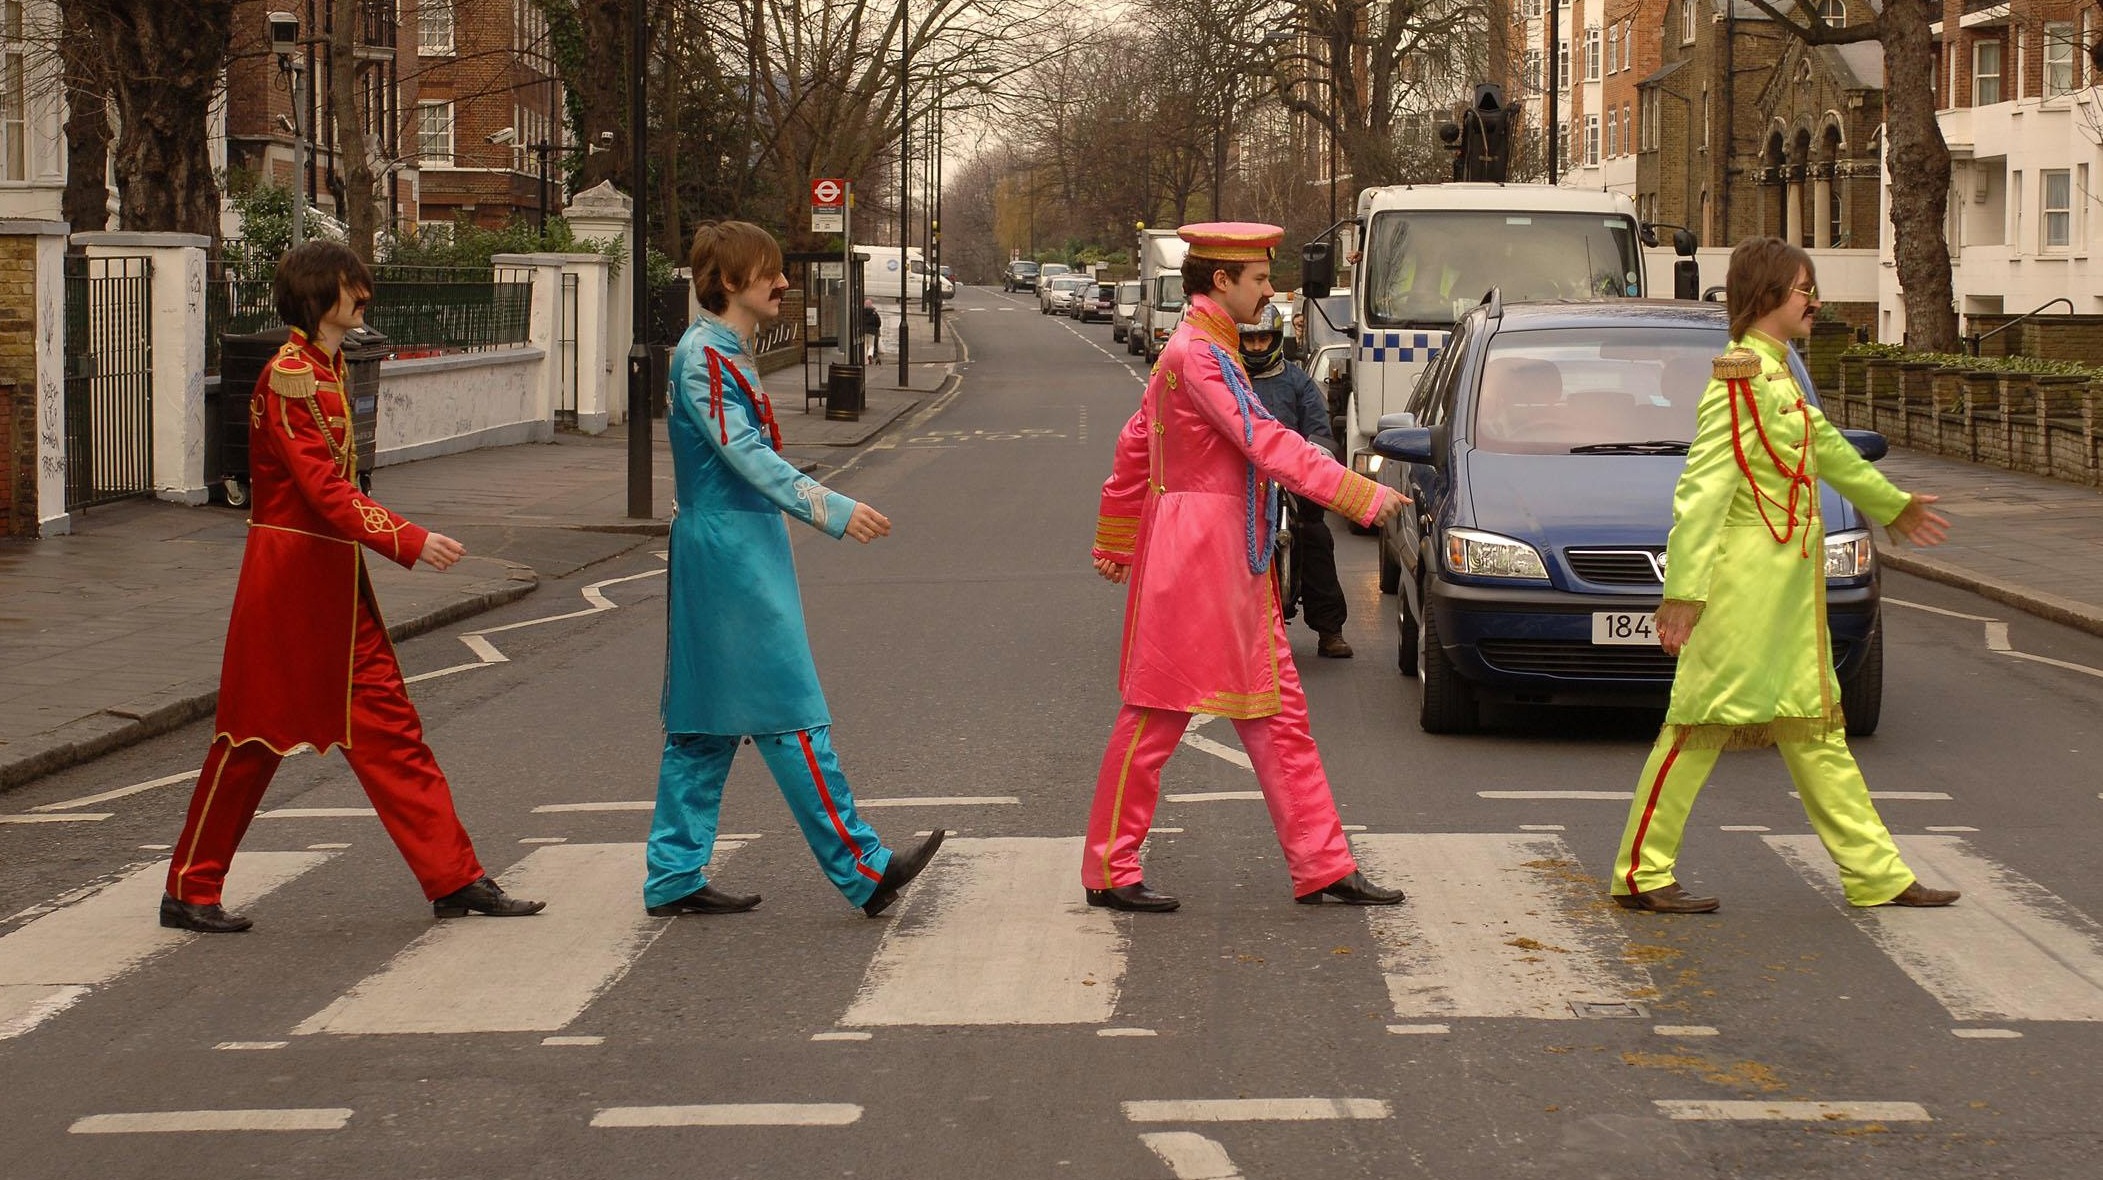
(1669,69)
(1610,313)
(1855,66)
(1535,198)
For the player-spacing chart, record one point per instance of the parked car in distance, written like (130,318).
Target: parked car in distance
(1096,301)
(1046,272)
(1021,275)
(1059,292)
(1542,447)
(1123,311)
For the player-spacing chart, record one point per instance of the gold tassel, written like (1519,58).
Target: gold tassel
(1760,734)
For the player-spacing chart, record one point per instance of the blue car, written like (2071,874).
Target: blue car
(1541,449)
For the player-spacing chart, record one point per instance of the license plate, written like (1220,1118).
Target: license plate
(1630,628)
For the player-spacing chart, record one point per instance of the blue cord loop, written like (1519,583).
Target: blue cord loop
(1260,527)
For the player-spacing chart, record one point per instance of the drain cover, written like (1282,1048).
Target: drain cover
(1609,1010)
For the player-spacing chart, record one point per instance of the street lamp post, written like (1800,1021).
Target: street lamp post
(905,183)
(639,449)
(540,209)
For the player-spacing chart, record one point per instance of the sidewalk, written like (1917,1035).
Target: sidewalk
(113,634)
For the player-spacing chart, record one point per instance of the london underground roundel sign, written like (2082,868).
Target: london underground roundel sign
(828,191)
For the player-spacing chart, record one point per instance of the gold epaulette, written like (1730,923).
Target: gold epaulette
(1739,364)
(292,374)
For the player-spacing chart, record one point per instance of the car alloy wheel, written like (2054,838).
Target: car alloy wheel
(1449,701)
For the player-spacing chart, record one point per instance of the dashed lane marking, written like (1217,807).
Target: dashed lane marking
(1683,1110)
(942,801)
(250,1046)
(1214,796)
(1986,1034)
(73,817)
(1191,1156)
(1996,636)
(487,654)
(1683,1030)
(319,813)
(1417,1030)
(167,1121)
(572,1042)
(732,1114)
(1253,1110)
(188,776)
(1603,796)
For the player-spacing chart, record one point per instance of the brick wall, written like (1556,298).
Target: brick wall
(18,409)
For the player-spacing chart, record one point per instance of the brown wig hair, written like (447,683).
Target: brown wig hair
(1762,272)
(312,277)
(727,256)
(1197,273)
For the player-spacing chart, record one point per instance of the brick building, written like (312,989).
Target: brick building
(485,121)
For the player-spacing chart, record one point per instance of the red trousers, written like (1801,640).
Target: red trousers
(1288,769)
(387,753)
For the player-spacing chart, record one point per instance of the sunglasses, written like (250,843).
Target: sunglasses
(1810,292)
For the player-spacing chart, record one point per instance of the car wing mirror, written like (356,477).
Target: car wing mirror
(1404,444)
(1869,443)
(1399,420)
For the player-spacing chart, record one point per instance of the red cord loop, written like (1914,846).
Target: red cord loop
(1799,478)
(762,404)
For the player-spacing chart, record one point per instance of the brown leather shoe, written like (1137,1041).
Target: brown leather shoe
(1332,647)
(1667,899)
(1920,896)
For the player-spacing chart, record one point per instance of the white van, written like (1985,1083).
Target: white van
(880,274)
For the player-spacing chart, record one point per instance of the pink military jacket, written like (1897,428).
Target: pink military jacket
(1204,634)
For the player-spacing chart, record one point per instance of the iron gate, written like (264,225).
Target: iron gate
(109,379)
(566,342)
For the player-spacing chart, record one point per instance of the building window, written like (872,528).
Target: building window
(1613,136)
(1532,9)
(1647,112)
(434,28)
(1833,12)
(1686,22)
(1533,71)
(532,29)
(1613,48)
(1591,139)
(1592,54)
(434,133)
(2059,57)
(1986,73)
(2056,203)
(1628,126)
(14,94)
(1562,65)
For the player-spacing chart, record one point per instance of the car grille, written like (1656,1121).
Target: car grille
(1588,661)
(1614,567)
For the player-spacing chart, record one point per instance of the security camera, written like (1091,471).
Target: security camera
(286,125)
(504,136)
(606,137)
(284,33)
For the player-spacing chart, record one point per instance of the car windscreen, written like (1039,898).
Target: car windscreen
(1600,390)
(1424,268)
(1053,268)
(1168,292)
(1024,268)
(1128,292)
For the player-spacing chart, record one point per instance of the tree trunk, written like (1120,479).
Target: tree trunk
(601,90)
(356,200)
(86,205)
(1916,153)
(163,62)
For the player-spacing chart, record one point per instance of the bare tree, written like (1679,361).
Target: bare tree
(161,61)
(81,62)
(1914,149)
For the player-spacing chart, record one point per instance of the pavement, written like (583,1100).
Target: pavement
(114,633)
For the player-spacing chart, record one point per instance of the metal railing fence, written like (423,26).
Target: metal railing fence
(422,310)
(108,358)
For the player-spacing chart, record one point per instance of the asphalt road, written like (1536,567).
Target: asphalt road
(991,1026)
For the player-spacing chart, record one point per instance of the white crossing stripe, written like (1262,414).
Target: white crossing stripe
(1813,1112)
(732,1114)
(318,813)
(940,801)
(1683,1030)
(59,817)
(615,805)
(572,1042)
(187,776)
(50,963)
(1497,925)
(1198,741)
(1901,796)
(2010,950)
(1215,796)
(1615,796)
(1404,1030)
(1255,1110)
(995,932)
(251,1045)
(164,1121)
(1125,1032)
(536,974)
(1191,1156)
(1986,1034)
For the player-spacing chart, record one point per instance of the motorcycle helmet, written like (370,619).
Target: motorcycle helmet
(1268,323)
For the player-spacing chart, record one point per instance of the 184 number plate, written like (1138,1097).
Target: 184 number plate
(1634,628)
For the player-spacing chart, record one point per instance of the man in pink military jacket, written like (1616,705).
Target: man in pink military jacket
(1186,520)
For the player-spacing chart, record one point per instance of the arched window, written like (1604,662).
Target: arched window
(1833,12)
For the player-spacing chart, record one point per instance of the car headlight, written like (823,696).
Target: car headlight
(1851,554)
(1487,555)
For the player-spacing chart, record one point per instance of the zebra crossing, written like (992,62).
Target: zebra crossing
(1499,926)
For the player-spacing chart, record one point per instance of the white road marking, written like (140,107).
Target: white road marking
(732,1114)
(1191,1156)
(1747,828)
(841,1035)
(615,805)
(166,1121)
(1997,637)
(318,813)
(1214,796)
(1809,1112)
(73,817)
(545,840)
(1985,1034)
(534,974)
(1175,831)
(327,847)
(995,933)
(1542,828)
(1902,796)
(1255,1110)
(941,801)
(1498,925)
(1614,796)
(49,964)
(1683,1030)
(486,653)
(1125,1032)
(251,1045)
(188,776)
(572,1042)
(155,847)
(1221,750)
(1347,828)
(1950,828)
(1406,1030)
(2010,950)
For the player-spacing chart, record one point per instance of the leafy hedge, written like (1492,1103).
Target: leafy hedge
(1875,350)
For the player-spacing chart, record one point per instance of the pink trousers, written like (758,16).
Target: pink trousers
(1288,769)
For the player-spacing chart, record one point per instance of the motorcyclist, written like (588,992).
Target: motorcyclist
(1294,399)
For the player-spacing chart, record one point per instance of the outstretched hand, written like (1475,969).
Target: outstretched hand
(865,524)
(1113,571)
(1921,525)
(441,551)
(1391,507)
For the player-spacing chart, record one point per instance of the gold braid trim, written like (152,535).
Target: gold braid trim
(1118,534)
(1355,495)
(1739,364)
(1758,735)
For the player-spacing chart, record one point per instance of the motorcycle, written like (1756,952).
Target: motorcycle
(1285,572)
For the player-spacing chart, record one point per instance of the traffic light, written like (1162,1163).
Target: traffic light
(1485,135)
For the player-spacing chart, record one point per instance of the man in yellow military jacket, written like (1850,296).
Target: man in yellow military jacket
(1744,606)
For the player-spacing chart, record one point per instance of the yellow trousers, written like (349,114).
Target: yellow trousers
(1834,795)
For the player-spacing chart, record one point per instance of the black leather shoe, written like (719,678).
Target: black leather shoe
(484,897)
(1352,889)
(205,919)
(1137,898)
(1667,899)
(706,900)
(902,869)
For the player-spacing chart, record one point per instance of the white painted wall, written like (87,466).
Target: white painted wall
(442,405)
(1844,276)
(178,353)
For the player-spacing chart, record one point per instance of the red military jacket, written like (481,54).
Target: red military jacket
(286,678)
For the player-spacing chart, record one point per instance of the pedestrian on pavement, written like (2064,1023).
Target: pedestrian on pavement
(1745,607)
(738,661)
(1293,398)
(872,332)
(307,657)
(1186,520)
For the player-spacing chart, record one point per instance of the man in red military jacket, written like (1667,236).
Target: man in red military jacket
(308,661)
